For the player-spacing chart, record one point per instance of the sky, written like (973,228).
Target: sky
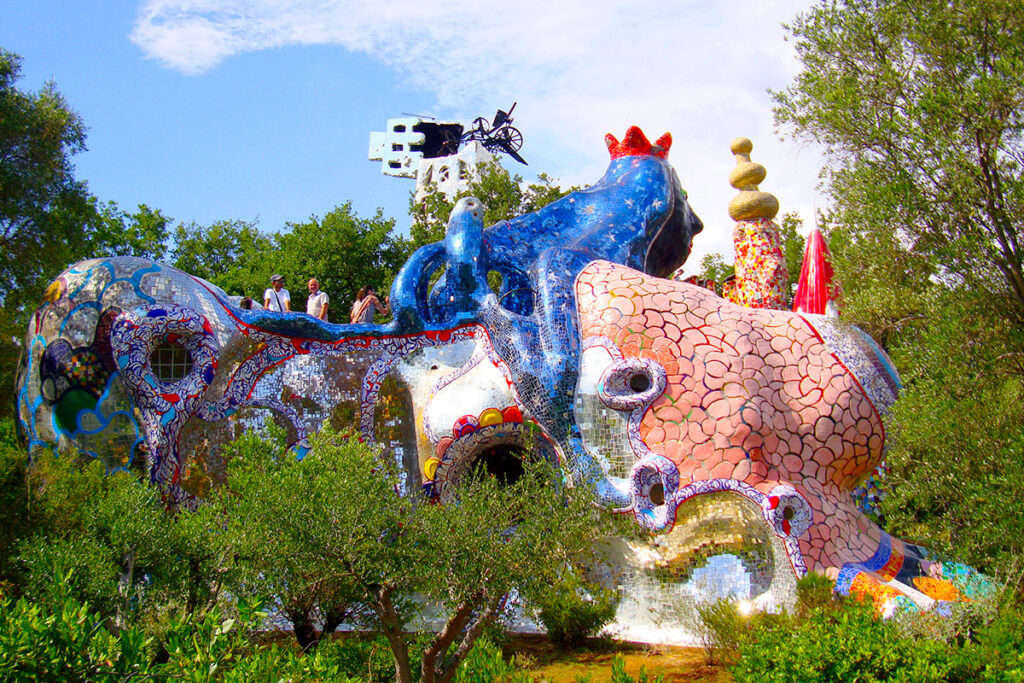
(262,109)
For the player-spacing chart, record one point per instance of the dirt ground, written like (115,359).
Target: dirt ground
(676,664)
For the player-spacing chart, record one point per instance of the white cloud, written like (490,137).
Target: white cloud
(577,69)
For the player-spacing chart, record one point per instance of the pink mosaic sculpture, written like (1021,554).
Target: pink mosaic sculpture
(735,434)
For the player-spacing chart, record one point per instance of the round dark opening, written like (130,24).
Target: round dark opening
(171,362)
(639,383)
(787,512)
(504,462)
(657,494)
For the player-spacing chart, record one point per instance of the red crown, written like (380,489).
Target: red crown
(635,144)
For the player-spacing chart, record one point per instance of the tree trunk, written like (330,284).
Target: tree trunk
(333,616)
(429,669)
(472,633)
(391,625)
(305,633)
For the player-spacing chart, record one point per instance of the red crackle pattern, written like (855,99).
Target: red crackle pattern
(753,395)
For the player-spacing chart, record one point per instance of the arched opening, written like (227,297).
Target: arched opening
(505,462)
(657,494)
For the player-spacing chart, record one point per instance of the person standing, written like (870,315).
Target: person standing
(316,304)
(277,298)
(357,305)
(362,311)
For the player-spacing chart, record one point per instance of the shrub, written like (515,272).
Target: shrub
(365,657)
(815,591)
(619,674)
(111,534)
(574,609)
(485,663)
(13,496)
(836,644)
(300,524)
(996,653)
(69,642)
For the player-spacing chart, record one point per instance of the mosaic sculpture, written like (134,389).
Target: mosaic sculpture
(733,434)
(761,277)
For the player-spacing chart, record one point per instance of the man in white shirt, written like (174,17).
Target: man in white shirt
(277,298)
(316,304)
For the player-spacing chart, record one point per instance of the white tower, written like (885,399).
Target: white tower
(427,150)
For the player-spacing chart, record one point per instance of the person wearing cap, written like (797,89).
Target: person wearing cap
(316,304)
(277,298)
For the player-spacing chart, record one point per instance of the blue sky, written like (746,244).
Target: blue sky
(214,109)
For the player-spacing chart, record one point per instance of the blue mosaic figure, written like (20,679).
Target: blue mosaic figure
(636,215)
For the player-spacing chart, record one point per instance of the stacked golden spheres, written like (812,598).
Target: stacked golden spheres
(750,204)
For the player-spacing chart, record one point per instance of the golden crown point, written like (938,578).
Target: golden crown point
(750,204)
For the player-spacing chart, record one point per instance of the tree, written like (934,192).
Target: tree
(48,219)
(503,196)
(344,252)
(144,233)
(793,244)
(232,254)
(41,202)
(339,515)
(713,267)
(109,537)
(920,106)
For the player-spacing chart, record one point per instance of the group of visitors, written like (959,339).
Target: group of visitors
(277,298)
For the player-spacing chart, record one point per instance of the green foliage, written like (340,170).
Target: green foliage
(996,652)
(572,608)
(793,244)
(339,518)
(118,233)
(815,592)
(844,640)
(713,267)
(920,107)
(922,118)
(229,254)
(71,642)
(65,641)
(503,196)
(359,656)
(48,219)
(40,199)
(342,250)
(485,663)
(124,553)
(619,674)
(277,532)
(721,630)
(847,644)
(14,510)
(958,455)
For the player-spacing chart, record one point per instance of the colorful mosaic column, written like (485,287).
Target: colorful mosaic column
(761,277)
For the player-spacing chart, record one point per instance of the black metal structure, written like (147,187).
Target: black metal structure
(498,135)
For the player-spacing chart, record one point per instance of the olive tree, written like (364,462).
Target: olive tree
(919,108)
(338,519)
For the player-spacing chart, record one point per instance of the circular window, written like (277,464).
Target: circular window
(171,362)
(639,382)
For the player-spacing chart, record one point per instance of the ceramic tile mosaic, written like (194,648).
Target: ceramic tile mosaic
(732,435)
